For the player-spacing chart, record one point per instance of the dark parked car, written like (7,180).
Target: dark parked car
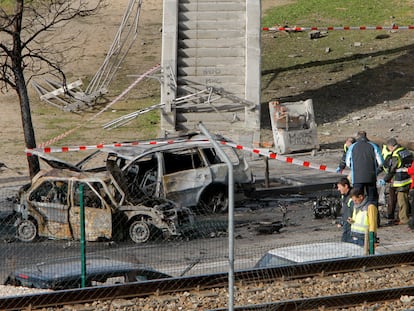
(66,273)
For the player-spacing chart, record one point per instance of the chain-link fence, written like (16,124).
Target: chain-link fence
(128,241)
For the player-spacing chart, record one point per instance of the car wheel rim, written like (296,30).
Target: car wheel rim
(218,203)
(26,231)
(140,232)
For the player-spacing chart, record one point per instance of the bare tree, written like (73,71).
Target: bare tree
(25,26)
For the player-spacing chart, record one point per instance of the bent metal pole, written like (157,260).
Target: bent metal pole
(226,159)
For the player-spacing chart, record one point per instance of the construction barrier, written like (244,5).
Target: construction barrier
(329,28)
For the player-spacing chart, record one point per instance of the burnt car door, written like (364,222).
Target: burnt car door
(98,215)
(186,174)
(49,201)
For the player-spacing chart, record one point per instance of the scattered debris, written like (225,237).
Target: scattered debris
(326,206)
(315,34)
(269,227)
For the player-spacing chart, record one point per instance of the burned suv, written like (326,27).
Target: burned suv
(189,172)
(51,205)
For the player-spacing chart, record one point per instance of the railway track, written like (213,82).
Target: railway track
(368,270)
(393,296)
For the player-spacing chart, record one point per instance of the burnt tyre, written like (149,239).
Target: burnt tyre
(140,231)
(214,202)
(26,231)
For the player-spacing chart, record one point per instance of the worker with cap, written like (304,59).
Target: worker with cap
(401,159)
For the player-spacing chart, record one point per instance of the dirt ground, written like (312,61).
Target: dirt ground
(384,95)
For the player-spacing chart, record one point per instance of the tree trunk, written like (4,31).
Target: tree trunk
(28,131)
(21,89)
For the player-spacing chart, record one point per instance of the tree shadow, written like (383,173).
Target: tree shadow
(387,82)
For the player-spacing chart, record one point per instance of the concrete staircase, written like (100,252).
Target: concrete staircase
(216,49)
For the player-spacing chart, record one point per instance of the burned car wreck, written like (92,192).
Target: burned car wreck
(189,172)
(50,207)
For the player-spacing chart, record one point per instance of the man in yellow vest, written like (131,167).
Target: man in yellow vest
(401,158)
(363,221)
(387,187)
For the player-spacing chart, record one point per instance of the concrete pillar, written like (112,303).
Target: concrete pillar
(253,67)
(169,65)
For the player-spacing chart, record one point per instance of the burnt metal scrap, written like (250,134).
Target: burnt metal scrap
(199,98)
(275,226)
(326,206)
(70,97)
(269,227)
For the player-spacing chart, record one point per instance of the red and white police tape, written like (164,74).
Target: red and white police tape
(263,152)
(64,149)
(329,28)
(290,160)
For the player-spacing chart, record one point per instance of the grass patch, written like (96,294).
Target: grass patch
(341,13)
(291,61)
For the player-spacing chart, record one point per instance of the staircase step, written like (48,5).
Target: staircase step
(205,25)
(209,6)
(212,43)
(209,61)
(212,15)
(210,52)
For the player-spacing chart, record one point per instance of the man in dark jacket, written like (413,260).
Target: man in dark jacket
(342,163)
(347,210)
(364,158)
(397,174)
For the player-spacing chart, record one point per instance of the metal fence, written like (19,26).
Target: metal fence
(57,258)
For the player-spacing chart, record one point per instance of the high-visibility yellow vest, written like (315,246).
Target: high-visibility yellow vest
(360,218)
(385,152)
(404,157)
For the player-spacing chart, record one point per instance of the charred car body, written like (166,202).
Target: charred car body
(50,207)
(189,172)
